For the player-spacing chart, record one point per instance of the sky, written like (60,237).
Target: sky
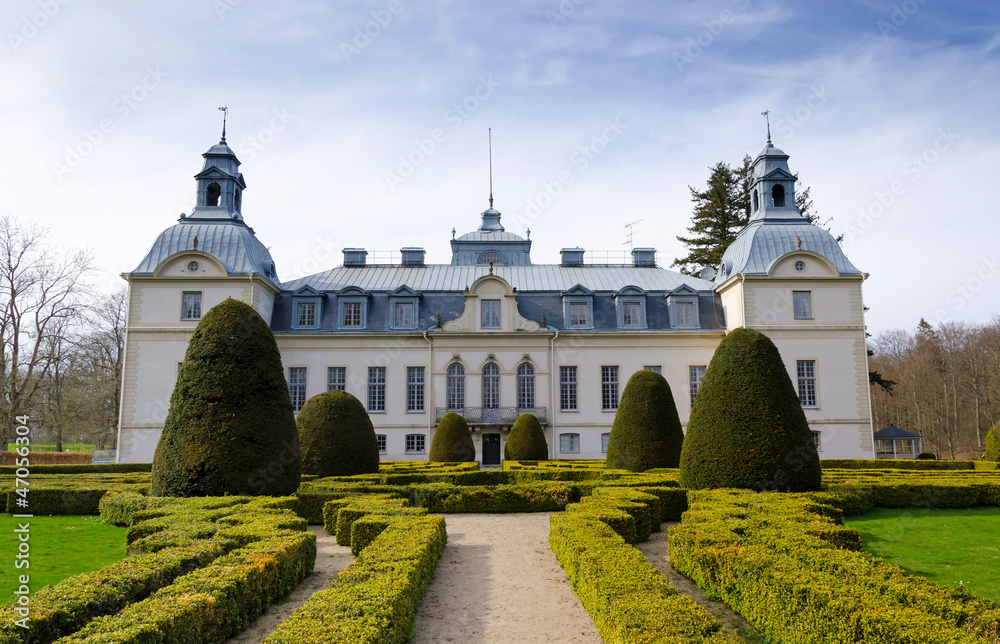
(365,124)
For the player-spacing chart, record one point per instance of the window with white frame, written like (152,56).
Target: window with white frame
(380,439)
(802,305)
(695,375)
(490,310)
(491,386)
(682,306)
(191,305)
(818,440)
(297,387)
(455,387)
(569,443)
(605,439)
(306,314)
(655,368)
(415,443)
(631,314)
(376,388)
(352,314)
(806,371)
(404,315)
(336,378)
(525,386)
(685,314)
(414,389)
(609,388)
(579,314)
(567,388)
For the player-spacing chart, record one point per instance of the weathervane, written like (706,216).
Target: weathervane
(225,113)
(490,132)
(767,117)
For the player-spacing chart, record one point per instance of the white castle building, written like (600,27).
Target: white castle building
(493,334)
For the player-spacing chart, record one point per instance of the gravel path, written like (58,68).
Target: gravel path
(498,583)
(330,560)
(656,552)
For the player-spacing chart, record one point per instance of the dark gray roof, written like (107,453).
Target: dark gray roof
(894,432)
(231,242)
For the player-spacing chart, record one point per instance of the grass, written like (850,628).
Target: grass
(51,447)
(949,547)
(61,546)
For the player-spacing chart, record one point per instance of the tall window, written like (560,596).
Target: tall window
(778,195)
(818,440)
(297,387)
(685,313)
(695,374)
(802,304)
(631,314)
(191,306)
(525,386)
(567,388)
(578,314)
(491,386)
(376,388)
(609,388)
(569,442)
(352,314)
(307,314)
(491,314)
(380,439)
(404,315)
(414,389)
(605,439)
(807,382)
(336,378)
(455,387)
(415,443)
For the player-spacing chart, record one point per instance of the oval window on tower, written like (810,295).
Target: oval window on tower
(193,267)
(800,266)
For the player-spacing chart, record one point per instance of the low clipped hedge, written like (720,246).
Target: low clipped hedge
(374,599)
(93,468)
(198,570)
(629,601)
(787,564)
(895,464)
(537,497)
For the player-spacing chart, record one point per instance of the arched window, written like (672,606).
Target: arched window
(212,194)
(491,386)
(755,203)
(778,195)
(456,387)
(525,386)
(491,256)
(237,201)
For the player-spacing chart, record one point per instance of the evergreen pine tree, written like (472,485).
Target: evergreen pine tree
(720,211)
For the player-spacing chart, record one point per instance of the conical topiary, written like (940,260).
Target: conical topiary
(452,441)
(230,428)
(747,428)
(993,443)
(337,436)
(526,441)
(647,430)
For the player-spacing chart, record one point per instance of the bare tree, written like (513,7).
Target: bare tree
(41,288)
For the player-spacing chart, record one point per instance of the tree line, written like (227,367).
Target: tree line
(62,341)
(944,384)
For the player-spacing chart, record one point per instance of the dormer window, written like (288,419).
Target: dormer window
(404,308)
(778,195)
(682,306)
(306,314)
(578,308)
(212,194)
(578,314)
(630,305)
(307,308)
(352,310)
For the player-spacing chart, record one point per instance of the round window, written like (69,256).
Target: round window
(800,266)
(193,267)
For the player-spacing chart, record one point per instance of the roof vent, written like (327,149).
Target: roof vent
(355,256)
(572,256)
(644,257)
(412,256)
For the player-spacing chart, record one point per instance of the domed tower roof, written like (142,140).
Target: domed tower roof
(490,243)
(776,226)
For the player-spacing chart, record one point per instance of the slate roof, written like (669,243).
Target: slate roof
(232,242)
(762,242)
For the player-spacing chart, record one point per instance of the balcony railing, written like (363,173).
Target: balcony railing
(493,415)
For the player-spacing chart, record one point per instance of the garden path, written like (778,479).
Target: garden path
(498,583)
(655,549)
(330,560)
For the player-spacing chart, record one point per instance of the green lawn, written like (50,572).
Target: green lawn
(51,447)
(946,546)
(60,547)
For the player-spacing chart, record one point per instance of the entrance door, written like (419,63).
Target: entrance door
(491,449)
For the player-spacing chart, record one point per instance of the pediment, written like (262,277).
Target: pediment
(353,290)
(579,289)
(404,291)
(631,289)
(683,289)
(306,291)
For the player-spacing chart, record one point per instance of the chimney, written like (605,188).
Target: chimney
(355,256)
(572,256)
(412,256)
(644,257)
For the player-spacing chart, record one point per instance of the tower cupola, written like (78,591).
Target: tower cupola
(220,184)
(772,193)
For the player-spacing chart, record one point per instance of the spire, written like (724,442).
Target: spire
(225,112)
(767,118)
(490,132)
